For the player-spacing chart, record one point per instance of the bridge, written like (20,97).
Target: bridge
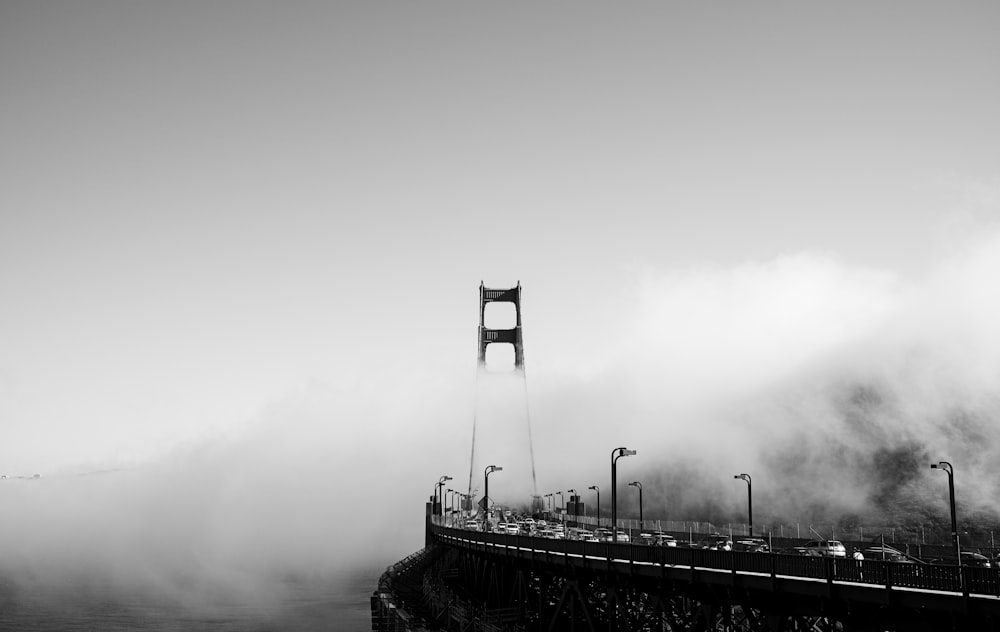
(467,580)
(471,580)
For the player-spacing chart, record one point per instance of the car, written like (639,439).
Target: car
(622,536)
(975,559)
(751,545)
(511,528)
(888,554)
(657,539)
(968,559)
(822,548)
(716,542)
(664,539)
(472,525)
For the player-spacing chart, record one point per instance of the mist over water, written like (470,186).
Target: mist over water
(284,525)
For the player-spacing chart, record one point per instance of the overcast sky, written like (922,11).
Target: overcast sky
(209,209)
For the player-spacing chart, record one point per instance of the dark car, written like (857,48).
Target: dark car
(968,559)
(975,559)
(888,554)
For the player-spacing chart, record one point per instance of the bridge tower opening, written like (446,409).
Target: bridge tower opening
(501,426)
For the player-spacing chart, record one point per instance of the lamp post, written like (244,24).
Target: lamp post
(486,493)
(746,477)
(616,454)
(576,506)
(639,485)
(598,490)
(438,496)
(947,467)
(448,501)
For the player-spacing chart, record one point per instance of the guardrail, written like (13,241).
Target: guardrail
(960,580)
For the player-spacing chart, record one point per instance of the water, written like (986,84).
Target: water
(289,604)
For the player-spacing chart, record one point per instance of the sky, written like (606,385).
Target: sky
(241,244)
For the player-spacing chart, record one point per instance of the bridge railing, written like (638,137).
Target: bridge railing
(965,579)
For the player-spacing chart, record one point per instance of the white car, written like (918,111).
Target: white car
(822,548)
(579,534)
(511,528)
(472,525)
(622,536)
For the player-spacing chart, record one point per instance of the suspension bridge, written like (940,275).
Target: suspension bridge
(471,580)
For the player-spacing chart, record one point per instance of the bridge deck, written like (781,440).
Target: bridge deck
(966,590)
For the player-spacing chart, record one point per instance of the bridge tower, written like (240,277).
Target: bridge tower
(488,336)
(501,427)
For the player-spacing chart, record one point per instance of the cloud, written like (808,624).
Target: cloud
(834,385)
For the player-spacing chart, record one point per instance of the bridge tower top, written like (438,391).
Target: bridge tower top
(489,336)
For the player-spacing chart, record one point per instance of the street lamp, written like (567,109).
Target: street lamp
(486,493)
(438,497)
(446,500)
(746,477)
(947,467)
(598,490)
(639,485)
(576,506)
(616,454)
